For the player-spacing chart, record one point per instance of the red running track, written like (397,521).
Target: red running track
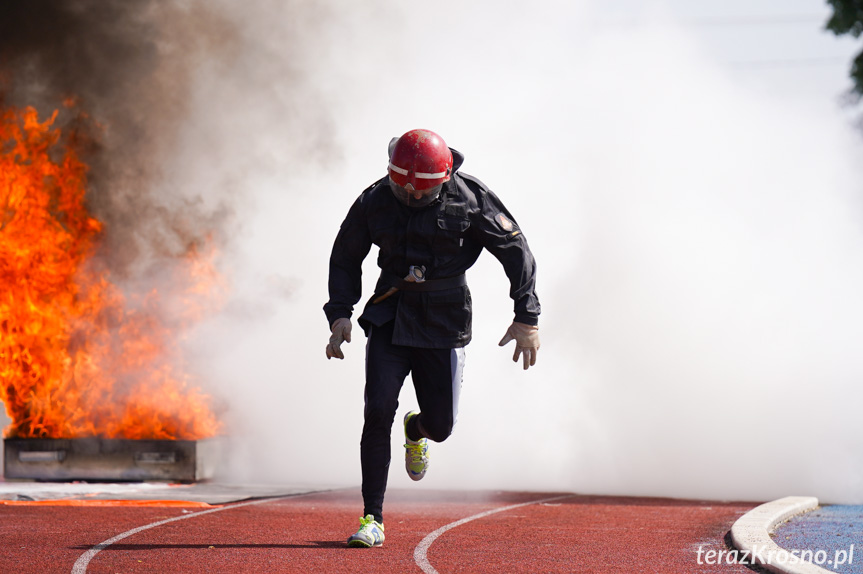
(427,531)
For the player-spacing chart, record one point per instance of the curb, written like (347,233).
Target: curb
(751,533)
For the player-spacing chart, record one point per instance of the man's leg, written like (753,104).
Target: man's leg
(437,377)
(387,365)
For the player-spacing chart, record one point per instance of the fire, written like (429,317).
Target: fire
(77,357)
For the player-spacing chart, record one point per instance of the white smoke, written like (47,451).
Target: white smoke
(699,247)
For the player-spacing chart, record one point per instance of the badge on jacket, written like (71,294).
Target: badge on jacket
(502,220)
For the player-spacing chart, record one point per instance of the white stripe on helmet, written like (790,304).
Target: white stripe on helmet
(418,175)
(398,170)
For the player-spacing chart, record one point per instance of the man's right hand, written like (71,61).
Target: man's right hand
(341,329)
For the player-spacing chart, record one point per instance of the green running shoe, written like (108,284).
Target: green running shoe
(416,453)
(370,534)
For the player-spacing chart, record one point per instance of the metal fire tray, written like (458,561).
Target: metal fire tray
(104,459)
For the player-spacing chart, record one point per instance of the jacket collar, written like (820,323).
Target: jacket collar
(457,159)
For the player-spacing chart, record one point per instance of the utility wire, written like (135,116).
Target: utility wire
(758,20)
(732,21)
(776,20)
(740,21)
(789,63)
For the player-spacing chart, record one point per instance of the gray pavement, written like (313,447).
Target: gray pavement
(207,492)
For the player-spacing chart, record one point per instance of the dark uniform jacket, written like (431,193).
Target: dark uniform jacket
(446,237)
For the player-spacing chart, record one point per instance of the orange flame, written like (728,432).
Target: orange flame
(76,357)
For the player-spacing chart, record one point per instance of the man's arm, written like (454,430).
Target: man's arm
(350,248)
(502,237)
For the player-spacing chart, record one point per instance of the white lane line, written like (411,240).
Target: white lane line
(80,566)
(421,551)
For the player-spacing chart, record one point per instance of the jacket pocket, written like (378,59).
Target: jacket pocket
(448,312)
(451,232)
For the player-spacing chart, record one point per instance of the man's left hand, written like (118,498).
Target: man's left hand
(526,339)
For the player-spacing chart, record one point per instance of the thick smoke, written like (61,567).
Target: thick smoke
(125,74)
(125,78)
(698,240)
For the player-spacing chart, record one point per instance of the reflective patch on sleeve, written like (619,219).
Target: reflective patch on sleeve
(503,221)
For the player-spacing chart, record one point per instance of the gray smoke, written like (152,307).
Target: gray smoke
(698,241)
(128,67)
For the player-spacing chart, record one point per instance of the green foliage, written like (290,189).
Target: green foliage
(847,18)
(857,74)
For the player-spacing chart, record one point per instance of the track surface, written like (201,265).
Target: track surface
(307,533)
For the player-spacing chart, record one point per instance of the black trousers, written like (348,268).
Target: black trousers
(437,377)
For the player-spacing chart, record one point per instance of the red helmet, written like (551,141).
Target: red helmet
(420,158)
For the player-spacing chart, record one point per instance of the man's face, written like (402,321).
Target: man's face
(414,197)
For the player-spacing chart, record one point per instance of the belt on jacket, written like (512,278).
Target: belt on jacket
(427,285)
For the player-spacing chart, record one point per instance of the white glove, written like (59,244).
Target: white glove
(526,339)
(341,332)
